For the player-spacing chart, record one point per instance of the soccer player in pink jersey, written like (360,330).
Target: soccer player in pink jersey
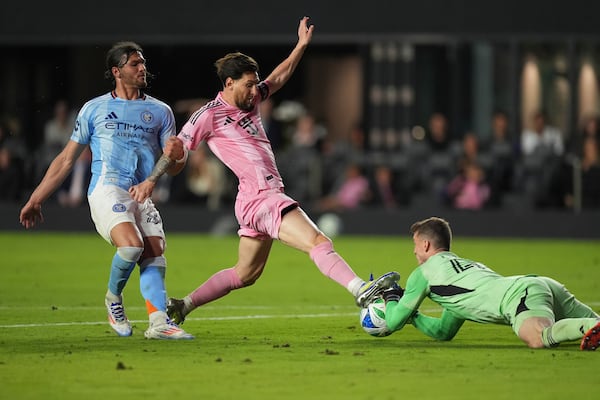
(232,128)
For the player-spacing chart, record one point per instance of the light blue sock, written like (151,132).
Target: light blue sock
(120,270)
(152,286)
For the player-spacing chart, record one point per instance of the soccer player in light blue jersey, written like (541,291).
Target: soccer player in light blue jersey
(540,310)
(126,131)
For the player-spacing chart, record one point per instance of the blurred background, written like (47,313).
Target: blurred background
(471,109)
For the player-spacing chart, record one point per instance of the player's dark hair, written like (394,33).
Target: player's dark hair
(234,65)
(118,55)
(436,229)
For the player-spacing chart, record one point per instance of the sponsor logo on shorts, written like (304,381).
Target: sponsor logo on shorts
(119,207)
(153,217)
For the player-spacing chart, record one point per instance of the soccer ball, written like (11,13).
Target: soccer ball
(372,319)
(330,224)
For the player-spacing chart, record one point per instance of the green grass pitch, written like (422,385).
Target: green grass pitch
(293,335)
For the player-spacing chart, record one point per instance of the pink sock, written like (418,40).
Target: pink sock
(216,286)
(331,264)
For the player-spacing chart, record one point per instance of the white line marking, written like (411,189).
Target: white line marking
(230,318)
(224,318)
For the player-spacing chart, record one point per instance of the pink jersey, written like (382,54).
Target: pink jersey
(238,139)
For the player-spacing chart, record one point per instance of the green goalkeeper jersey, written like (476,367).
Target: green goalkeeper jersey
(467,290)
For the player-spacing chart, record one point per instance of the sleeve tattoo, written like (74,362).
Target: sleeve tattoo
(162,165)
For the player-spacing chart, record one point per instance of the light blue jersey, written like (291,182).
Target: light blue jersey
(126,137)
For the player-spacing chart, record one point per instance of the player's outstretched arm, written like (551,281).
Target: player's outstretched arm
(172,162)
(59,169)
(400,309)
(443,328)
(282,73)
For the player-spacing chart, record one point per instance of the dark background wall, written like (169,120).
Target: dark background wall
(70,37)
(197,22)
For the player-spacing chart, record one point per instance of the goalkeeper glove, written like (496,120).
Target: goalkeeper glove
(394,293)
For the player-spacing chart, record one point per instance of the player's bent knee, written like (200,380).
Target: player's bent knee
(532,339)
(322,238)
(250,275)
(536,344)
(130,254)
(250,280)
(531,329)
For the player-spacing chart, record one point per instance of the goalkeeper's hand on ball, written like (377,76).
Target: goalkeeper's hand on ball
(394,293)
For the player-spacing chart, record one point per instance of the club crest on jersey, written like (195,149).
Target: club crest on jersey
(119,208)
(147,117)
(248,125)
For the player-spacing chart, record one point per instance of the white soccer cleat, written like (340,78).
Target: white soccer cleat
(117,319)
(373,288)
(167,330)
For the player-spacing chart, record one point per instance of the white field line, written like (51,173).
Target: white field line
(223,318)
(229,318)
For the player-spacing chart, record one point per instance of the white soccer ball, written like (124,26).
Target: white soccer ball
(372,319)
(330,224)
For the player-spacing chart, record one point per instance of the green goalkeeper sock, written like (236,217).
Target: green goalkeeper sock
(567,330)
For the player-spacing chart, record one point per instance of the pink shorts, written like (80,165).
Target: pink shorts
(260,215)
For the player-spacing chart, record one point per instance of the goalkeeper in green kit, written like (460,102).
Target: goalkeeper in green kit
(540,310)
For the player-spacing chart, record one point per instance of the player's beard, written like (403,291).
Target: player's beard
(142,82)
(245,104)
(137,82)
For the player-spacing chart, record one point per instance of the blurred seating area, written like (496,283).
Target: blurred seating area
(534,170)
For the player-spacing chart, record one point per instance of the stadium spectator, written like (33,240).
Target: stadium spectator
(542,149)
(338,153)
(11,176)
(301,161)
(589,128)
(349,194)
(589,173)
(384,192)
(440,166)
(231,127)
(540,310)
(204,180)
(57,132)
(125,130)
(541,137)
(73,190)
(502,154)
(468,152)
(468,190)
(438,136)
(14,161)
